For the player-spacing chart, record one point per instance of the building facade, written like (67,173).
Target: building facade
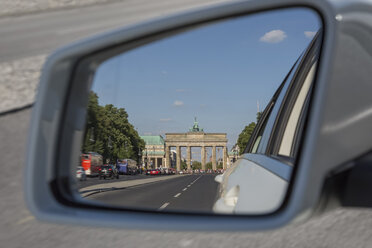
(153,154)
(167,153)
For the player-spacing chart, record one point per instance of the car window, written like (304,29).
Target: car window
(253,145)
(256,143)
(267,129)
(286,144)
(259,136)
(285,138)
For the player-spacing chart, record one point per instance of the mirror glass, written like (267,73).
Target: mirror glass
(207,121)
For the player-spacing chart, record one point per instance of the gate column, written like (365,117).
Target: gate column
(224,157)
(178,158)
(167,161)
(214,165)
(188,158)
(203,157)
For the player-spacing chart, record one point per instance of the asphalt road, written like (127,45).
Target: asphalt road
(95,180)
(192,193)
(42,33)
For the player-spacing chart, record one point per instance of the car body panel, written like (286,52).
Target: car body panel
(245,175)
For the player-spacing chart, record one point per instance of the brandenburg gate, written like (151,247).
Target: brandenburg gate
(195,138)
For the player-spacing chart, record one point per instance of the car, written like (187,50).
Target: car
(115,171)
(80,174)
(236,194)
(155,172)
(108,171)
(162,171)
(171,171)
(314,137)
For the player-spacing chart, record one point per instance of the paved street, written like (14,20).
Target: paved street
(95,180)
(32,35)
(195,193)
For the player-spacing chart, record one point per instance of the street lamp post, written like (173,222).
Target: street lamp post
(236,154)
(139,159)
(153,154)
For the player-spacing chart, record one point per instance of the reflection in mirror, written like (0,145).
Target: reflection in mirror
(209,120)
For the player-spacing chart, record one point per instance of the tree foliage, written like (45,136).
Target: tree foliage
(208,166)
(196,165)
(245,135)
(183,165)
(109,133)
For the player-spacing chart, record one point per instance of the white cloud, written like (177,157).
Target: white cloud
(274,36)
(165,119)
(178,103)
(309,34)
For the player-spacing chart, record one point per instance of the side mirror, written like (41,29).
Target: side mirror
(116,109)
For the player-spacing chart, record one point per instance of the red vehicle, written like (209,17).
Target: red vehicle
(155,172)
(91,162)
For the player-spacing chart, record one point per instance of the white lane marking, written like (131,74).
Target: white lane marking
(24,220)
(177,195)
(184,189)
(164,205)
(189,185)
(195,180)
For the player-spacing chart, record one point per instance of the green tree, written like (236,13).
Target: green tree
(109,132)
(244,136)
(91,142)
(208,166)
(196,165)
(183,165)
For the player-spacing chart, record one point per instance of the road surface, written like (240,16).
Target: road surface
(95,180)
(194,193)
(42,33)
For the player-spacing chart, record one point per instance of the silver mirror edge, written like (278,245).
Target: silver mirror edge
(51,99)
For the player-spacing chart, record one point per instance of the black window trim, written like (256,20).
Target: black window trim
(267,132)
(312,54)
(266,113)
(300,127)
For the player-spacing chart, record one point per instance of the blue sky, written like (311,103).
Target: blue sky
(216,73)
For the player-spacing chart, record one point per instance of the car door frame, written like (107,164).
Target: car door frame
(282,104)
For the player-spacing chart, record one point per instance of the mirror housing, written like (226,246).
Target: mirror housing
(335,133)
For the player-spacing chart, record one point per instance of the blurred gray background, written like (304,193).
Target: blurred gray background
(29,31)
